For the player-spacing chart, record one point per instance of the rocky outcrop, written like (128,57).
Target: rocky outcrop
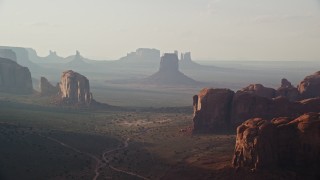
(243,106)
(8,54)
(169,73)
(47,89)
(259,90)
(14,78)
(287,90)
(263,144)
(310,86)
(257,101)
(75,88)
(212,109)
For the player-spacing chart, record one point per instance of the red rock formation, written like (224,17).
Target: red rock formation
(222,112)
(262,144)
(46,88)
(212,109)
(257,101)
(75,88)
(259,90)
(310,86)
(287,90)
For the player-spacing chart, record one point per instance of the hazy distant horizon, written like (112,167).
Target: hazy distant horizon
(285,30)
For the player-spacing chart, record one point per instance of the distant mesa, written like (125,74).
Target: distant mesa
(75,89)
(169,73)
(14,78)
(22,57)
(8,54)
(283,142)
(47,89)
(222,109)
(145,55)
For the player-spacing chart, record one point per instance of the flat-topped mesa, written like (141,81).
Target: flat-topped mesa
(169,63)
(75,88)
(263,144)
(14,78)
(47,89)
(8,54)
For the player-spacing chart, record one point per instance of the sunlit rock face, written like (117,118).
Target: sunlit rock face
(8,54)
(46,88)
(281,142)
(14,78)
(310,86)
(75,88)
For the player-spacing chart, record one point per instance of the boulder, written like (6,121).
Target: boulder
(212,111)
(310,86)
(14,78)
(263,144)
(47,89)
(75,88)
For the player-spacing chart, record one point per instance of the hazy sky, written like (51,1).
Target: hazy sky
(210,29)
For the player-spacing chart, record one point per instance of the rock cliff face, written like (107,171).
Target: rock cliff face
(8,54)
(255,101)
(262,144)
(310,86)
(75,88)
(14,78)
(169,73)
(47,89)
(242,106)
(212,109)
